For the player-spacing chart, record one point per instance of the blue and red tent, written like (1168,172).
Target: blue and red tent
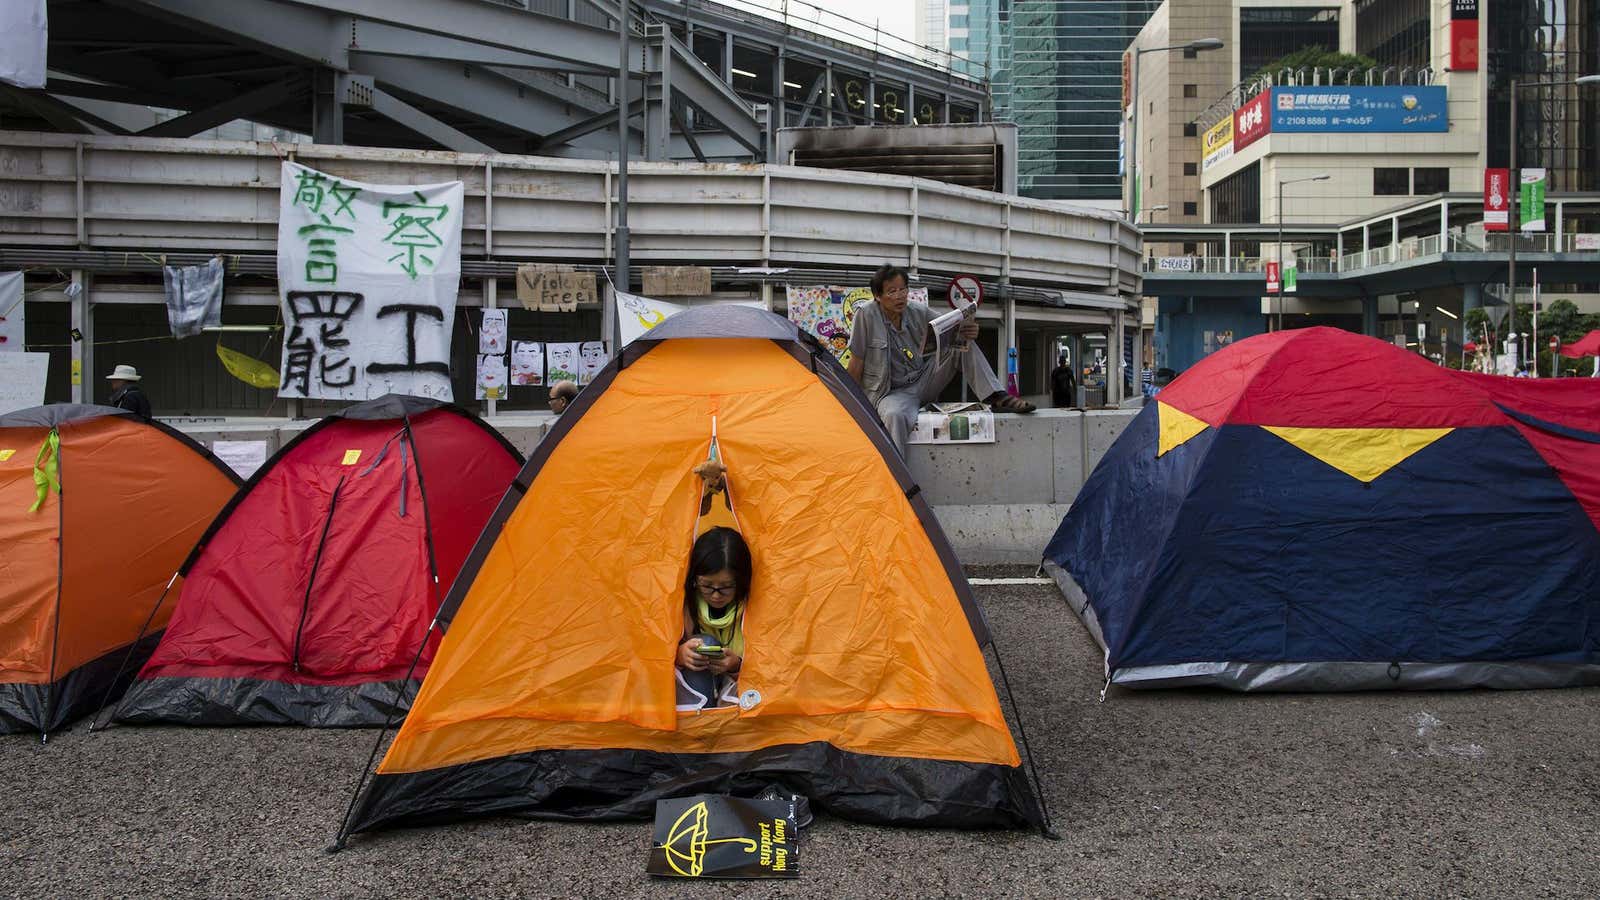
(1316,510)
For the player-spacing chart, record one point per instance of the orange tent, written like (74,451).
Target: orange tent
(864,684)
(98,508)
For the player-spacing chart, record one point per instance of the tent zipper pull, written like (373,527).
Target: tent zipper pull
(1105,687)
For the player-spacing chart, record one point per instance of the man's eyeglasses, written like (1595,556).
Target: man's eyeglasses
(711,591)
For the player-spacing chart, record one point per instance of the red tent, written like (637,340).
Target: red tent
(1588,345)
(307,600)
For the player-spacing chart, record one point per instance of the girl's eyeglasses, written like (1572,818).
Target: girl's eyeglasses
(710,591)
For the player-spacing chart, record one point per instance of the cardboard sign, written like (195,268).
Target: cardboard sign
(677,281)
(554,288)
(710,836)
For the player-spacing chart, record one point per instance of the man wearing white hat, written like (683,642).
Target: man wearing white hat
(125,392)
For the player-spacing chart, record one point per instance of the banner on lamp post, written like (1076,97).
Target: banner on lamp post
(1291,276)
(1531,204)
(1496,199)
(1273,284)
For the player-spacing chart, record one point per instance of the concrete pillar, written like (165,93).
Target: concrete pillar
(83,371)
(1369,316)
(1471,298)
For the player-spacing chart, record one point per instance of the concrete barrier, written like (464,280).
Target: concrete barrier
(999,503)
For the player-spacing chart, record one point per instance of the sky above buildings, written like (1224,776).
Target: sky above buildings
(892,16)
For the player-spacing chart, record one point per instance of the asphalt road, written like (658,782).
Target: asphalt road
(1492,794)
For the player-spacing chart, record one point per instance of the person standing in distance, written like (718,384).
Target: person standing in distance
(126,393)
(561,395)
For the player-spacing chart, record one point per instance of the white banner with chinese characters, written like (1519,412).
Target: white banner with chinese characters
(368,275)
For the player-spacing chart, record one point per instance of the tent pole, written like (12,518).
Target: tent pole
(427,519)
(132,648)
(433,572)
(388,723)
(316,563)
(1022,731)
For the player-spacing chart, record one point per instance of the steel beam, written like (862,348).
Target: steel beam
(700,86)
(275,28)
(384,39)
(475,93)
(60,113)
(599,122)
(240,107)
(400,112)
(471,21)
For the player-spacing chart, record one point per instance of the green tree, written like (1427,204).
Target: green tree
(1318,58)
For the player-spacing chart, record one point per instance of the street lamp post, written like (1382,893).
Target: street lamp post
(1514,213)
(1279,252)
(1133,132)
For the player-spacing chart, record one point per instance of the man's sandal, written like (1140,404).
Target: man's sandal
(1010,404)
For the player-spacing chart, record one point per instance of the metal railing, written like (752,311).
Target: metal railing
(1457,240)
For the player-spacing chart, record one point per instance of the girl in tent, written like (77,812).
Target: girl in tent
(714,595)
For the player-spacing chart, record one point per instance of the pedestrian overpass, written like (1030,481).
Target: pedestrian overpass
(1430,244)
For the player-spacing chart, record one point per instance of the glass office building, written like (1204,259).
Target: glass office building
(1055,70)
(1557,128)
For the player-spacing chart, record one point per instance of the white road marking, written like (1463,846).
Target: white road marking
(1011,581)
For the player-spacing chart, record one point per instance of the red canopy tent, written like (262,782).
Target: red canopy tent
(1588,345)
(307,599)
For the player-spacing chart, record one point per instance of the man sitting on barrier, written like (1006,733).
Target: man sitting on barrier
(891,356)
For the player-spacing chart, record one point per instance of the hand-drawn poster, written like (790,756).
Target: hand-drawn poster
(491,377)
(828,311)
(636,314)
(492,334)
(368,275)
(592,357)
(527,363)
(561,363)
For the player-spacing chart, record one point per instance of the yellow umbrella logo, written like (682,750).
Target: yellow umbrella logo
(688,839)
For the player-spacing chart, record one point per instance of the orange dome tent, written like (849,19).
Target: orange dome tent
(864,685)
(98,508)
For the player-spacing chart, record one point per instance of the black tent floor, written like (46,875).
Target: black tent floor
(1190,792)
